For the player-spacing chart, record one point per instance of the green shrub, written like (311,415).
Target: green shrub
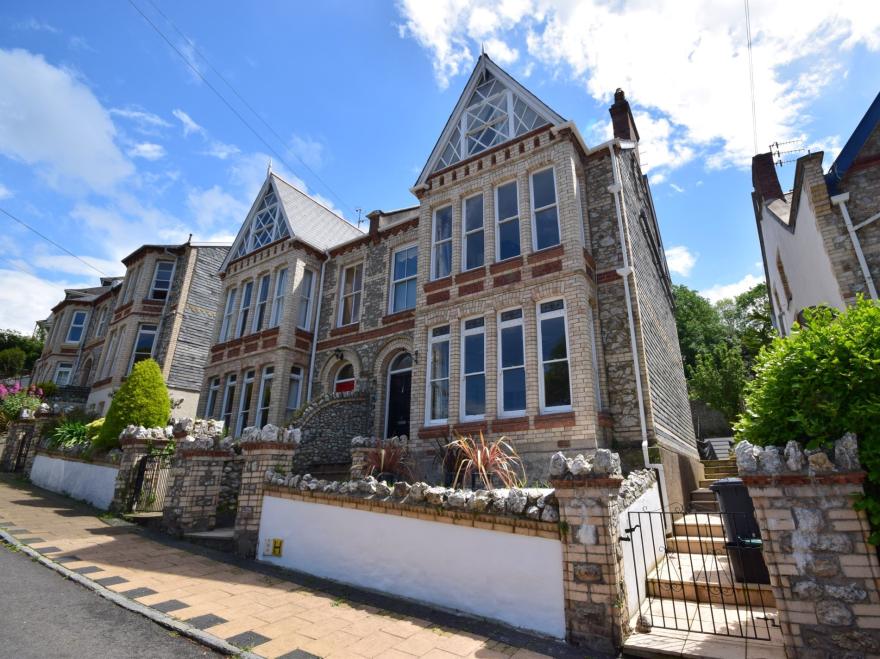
(48,388)
(93,429)
(68,435)
(141,400)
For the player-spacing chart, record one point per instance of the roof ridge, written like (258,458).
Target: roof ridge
(312,199)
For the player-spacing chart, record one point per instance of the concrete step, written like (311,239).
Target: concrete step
(720,463)
(222,539)
(704,506)
(706,482)
(703,494)
(682,544)
(699,524)
(743,595)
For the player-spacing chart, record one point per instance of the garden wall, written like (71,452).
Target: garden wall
(637,567)
(86,481)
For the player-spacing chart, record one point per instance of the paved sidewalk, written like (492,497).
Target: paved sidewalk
(255,607)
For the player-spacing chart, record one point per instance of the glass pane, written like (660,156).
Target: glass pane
(513,314)
(507,204)
(543,189)
(412,261)
(553,339)
(440,360)
(400,295)
(402,361)
(511,347)
(514,390)
(443,224)
(345,373)
(474,346)
(358,277)
(399,265)
(546,228)
(508,239)
(411,290)
(474,250)
(474,395)
(346,310)
(443,260)
(356,307)
(246,296)
(473,211)
(556,390)
(440,399)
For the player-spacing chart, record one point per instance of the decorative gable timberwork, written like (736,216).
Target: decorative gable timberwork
(267,224)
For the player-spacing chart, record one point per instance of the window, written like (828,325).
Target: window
(438,376)
(262,303)
(267,225)
(228,313)
(473,233)
(244,404)
(143,345)
(77,325)
(344,380)
(350,295)
(63,373)
(304,312)
(132,285)
(507,218)
(245,309)
(404,271)
(441,243)
(228,398)
(511,364)
(473,372)
(102,322)
(162,280)
(111,355)
(294,390)
(780,268)
(555,393)
(265,397)
(213,392)
(278,302)
(545,215)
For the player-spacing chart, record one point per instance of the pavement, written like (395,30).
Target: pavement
(234,604)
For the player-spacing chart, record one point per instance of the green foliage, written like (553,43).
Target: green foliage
(69,434)
(93,429)
(718,379)
(48,388)
(698,322)
(747,318)
(32,347)
(12,362)
(141,400)
(12,405)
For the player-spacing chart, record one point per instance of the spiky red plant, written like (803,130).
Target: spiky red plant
(487,461)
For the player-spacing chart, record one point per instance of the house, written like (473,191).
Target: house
(526,294)
(820,242)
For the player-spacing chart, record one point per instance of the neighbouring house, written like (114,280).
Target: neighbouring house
(821,241)
(525,295)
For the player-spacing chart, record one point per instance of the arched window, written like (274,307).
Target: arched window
(344,380)
(402,362)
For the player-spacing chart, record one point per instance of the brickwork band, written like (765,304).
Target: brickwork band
(258,458)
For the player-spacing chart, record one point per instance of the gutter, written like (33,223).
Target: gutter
(317,325)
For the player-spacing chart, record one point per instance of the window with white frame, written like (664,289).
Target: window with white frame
(306,292)
(110,358)
(228,313)
(162,280)
(244,403)
(438,376)
(143,345)
(473,244)
(229,400)
(264,399)
(441,243)
(350,294)
(102,323)
(262,302)
(211,403)
(404,273)
(267,225)
(511,364)
(294,390)
(545,214)
(133,281)
(555,389)
(473,370)
(62,374)
(244,311)
(344,380)
(278,300)
(77,325)
(507,221)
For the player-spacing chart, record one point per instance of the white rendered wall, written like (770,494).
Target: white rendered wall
(80,480)
(515,579)
(648,551)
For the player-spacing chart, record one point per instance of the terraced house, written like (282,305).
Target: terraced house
(525,295)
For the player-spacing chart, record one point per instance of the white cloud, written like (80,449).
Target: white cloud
(215,208)
(221,151)
(721,291)
(680,260)
(39,105)
(501,52)
(147,151)
(677,188)
(144,122)
(309,150)
(5,193)
(70,265)
(26,298)
(189,126)
(657,178)
(33,25)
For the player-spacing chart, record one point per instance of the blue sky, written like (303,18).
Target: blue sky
(109,140)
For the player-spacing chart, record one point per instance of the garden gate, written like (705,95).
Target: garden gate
(25,439)
(150,484)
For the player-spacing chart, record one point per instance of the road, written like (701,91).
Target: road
(44,616)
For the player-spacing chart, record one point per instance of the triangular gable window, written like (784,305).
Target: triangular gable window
(266,226)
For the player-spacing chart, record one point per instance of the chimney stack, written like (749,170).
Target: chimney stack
(764,178)
(622,118)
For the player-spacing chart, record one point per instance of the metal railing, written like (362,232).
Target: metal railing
(150,485)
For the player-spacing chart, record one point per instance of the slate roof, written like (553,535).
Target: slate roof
(311,221)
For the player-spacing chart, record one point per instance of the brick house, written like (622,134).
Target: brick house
(821,241)
(526,295)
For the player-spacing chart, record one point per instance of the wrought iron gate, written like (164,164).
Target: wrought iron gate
(700,572)
(24,446)
(150,484)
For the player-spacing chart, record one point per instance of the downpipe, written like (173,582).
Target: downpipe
(319,301)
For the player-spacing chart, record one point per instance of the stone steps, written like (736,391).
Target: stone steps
(684,544)
(700,525)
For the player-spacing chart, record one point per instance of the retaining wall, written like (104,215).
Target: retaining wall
(86,481)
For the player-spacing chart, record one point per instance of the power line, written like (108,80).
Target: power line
(195,70)
(49,240)
(751,77)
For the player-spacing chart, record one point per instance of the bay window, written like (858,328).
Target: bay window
(511,364)
(161,280)
(228,400)
(507,222)
(262,302)
(228,313)
(294,390)
(441,243)
(244,404)
(245,309)
(555,390)
(473,371)
(438,376)
(264,398)
(62,374)
(306,292)
(474,256)
(213,393)
(77,325)
(545,214)
(143,345)
(278,299)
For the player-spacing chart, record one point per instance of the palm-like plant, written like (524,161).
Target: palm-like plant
(387,458)
(487,461)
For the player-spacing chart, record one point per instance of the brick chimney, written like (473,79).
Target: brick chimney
(764,178)
(622,118)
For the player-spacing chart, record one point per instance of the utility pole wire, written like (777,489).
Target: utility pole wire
(214,70)
(751,77)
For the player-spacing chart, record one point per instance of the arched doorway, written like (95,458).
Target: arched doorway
(398,388)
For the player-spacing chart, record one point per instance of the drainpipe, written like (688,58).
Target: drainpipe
(317,325)
(620,207)
(840,200)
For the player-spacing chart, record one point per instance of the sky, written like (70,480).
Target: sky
(123,123)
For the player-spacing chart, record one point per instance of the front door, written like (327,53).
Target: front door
(399,387)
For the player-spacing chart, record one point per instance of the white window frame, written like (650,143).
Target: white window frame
(262,304)
(241,326)
(137,336)
(515,218)
(436,243)
(306,295)
(294,379)
(465,233)
(356,317)
(167,291)
(393,282)
(535,211)
(244,402)
(81,326)
(113,346)
(263,407)
(429,379)
(102,322)
(63,367)
(502,325)
(352,379)
(228,324)
(132,284)
(213,393)
(227,410)
(544,408)
(463,376)
(278,298)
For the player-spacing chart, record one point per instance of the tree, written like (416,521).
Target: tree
(29,345)
(698,322)
(11,362)
(747,318)
(718,379)
(141,400)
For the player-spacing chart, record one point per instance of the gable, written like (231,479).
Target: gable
(493,109)
(265,224)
